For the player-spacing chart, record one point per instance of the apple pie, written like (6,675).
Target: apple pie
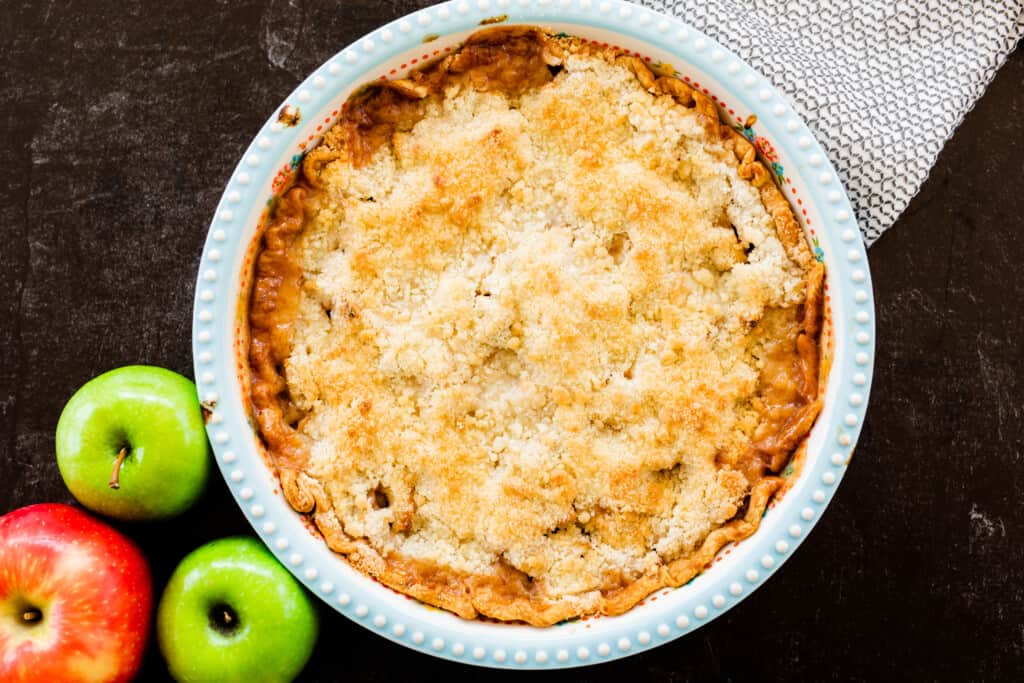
(534,333)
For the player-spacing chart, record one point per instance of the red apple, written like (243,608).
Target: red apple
(75,598)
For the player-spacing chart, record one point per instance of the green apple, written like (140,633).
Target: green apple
(131,444)
(231,613)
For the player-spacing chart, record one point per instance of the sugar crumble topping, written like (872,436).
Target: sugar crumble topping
(531,332)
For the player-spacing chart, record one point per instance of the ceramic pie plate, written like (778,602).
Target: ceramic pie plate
(802,171)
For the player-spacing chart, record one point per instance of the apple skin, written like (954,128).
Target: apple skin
(275,623)
(93,591)
(155,414)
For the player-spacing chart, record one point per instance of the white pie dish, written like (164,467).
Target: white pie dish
(810,184)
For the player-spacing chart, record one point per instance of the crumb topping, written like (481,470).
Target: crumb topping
(542,333)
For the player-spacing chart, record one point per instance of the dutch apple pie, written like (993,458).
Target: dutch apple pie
(533,333)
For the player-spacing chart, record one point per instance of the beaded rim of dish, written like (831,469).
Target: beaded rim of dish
(215,333)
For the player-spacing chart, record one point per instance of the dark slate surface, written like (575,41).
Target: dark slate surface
(119,126)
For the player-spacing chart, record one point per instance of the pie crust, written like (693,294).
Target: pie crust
(534,333)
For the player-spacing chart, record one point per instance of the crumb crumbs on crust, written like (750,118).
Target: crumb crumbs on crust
(535,333)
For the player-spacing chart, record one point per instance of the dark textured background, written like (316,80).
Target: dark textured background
(120,125)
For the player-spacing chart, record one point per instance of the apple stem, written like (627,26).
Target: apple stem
(115,476)
(223,619)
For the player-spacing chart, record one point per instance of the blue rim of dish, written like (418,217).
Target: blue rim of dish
(439,633)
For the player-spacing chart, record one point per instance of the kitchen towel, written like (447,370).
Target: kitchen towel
(882,83)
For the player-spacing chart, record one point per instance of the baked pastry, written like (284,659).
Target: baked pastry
(534,332)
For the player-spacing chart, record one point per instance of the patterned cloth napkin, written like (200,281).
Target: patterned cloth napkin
(882,83)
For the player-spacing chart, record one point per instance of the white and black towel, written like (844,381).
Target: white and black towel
(882,83)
